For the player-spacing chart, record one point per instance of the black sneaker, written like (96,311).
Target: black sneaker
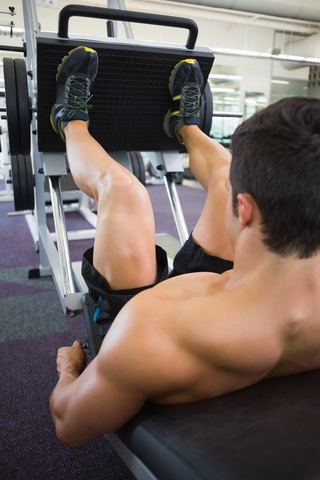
(75,77)
(186,87)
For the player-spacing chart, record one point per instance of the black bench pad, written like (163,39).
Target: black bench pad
(269,431)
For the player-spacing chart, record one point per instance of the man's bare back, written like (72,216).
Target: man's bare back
(215,334)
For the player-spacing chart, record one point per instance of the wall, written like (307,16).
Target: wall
(216,29)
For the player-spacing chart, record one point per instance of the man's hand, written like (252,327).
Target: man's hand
(71,359)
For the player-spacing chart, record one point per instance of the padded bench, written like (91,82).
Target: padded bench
(269,431)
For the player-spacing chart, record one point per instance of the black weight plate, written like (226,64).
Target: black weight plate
(30,182)
(206,110)
(16,182)
(23,105)
(137,166)
(142,167)
(11,105)
(23,183)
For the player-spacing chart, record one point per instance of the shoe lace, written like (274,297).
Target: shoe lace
(191,105)
(77,97)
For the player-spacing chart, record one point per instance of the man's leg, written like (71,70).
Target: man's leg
(210,164)
(209,161)
(124,249)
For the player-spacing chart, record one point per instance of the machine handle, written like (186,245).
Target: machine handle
(125,16)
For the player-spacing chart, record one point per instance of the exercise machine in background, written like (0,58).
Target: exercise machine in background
(138,74)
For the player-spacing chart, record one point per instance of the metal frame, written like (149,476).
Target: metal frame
(54,260)
(137,467)
(6,195)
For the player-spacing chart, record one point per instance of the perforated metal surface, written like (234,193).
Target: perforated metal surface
(130,93)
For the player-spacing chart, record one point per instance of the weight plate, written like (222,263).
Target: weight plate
(137,166)
(23,183)
(15,182)
(206,110)
(23,105)
(30,182)
(11,105)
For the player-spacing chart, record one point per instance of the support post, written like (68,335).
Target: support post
(62,241)
(176,207)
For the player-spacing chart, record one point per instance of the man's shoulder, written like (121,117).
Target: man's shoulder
(187,299)
(186,333)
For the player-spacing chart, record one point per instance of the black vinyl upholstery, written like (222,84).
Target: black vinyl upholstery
(269,431)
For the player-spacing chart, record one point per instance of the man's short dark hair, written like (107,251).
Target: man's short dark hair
(276,159)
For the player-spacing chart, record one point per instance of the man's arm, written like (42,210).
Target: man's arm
(134,364)
(141,358)
(86,405)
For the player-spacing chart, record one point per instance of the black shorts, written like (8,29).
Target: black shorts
(191,258)
(108,303)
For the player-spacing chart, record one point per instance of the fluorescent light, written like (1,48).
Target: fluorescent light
(223,90)
(225,77)
(281,82)
(291,58)
(312,60)
(265,55)
(234,51)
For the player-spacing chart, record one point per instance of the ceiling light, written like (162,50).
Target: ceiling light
(312,60)
(291,58)
(234,51)
(225,77)
(265,55)
(281,82)
(223,90)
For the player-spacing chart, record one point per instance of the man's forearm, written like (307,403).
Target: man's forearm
(68,374)
(70,363)
(66,378)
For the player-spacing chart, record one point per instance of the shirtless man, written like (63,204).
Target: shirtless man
(199,335)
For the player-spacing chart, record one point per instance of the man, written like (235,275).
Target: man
(199,335)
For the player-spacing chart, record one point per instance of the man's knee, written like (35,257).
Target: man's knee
(122,186)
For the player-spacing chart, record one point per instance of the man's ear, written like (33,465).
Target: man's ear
(245,208)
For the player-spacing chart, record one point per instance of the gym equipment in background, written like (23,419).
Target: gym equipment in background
(132,84)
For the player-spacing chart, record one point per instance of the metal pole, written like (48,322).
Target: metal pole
(176,208)
(29,11)
(113,4)
(62,241)
(8,48)
(31,27)
(126,25)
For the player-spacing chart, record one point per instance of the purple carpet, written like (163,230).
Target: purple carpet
(33,327)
